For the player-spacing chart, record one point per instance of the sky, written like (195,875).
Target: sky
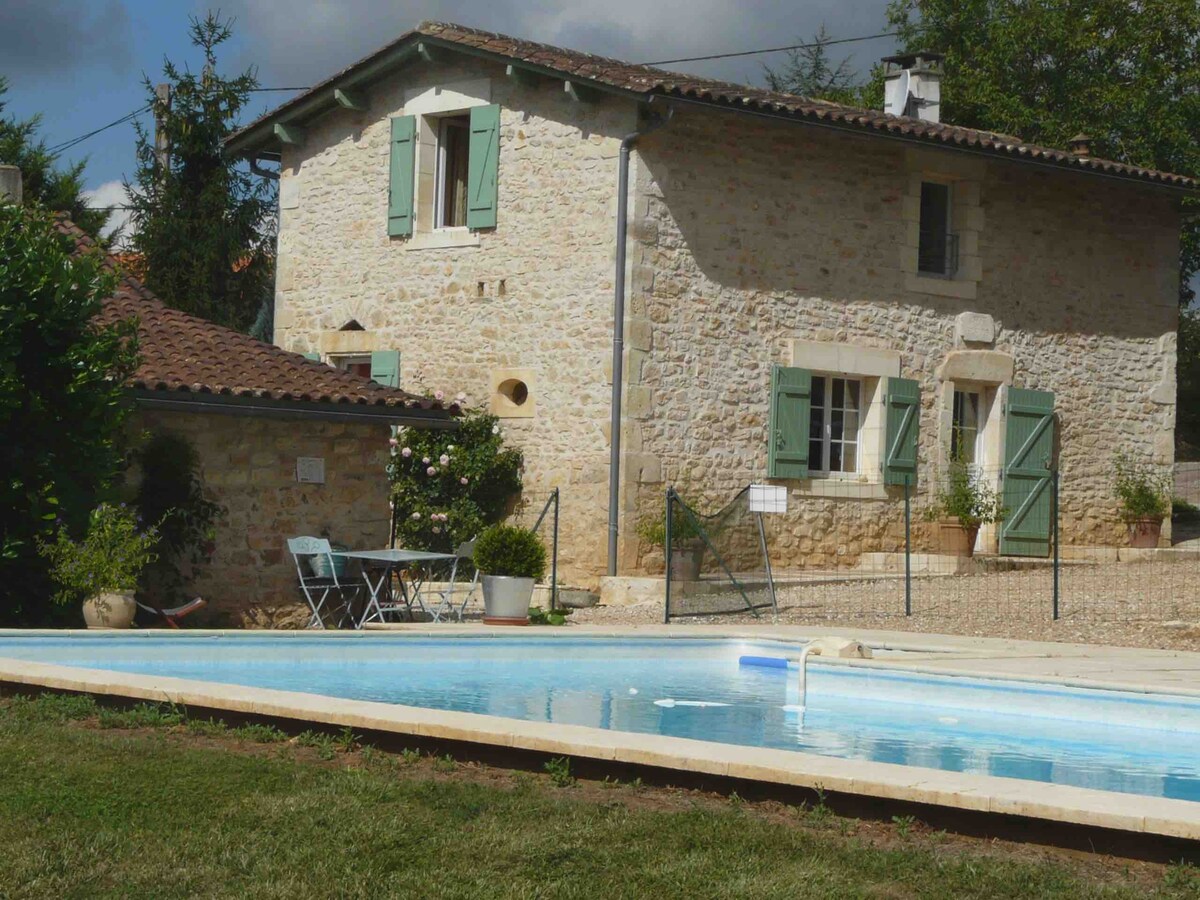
(82,65)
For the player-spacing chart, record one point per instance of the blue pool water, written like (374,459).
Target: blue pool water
(1108,740)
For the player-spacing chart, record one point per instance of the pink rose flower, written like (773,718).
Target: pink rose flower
(461,398)
(406,452)
(431,471)
(444,460)
(393,442)
(416,516)
(433,516)
(438,395)
(436,530)
(425,460)
(463,480)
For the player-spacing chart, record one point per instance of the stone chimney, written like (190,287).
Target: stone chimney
(912,85)
(10,185)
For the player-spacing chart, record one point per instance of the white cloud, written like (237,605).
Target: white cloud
(112,193)
(301,43)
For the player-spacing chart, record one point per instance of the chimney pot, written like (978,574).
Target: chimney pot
(10,184)
(1081,145)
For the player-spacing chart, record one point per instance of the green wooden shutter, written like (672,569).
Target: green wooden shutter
(482,165)
(400,176)
(787,440)
(315,357)
(903,404)
(385,367)
(1028,456)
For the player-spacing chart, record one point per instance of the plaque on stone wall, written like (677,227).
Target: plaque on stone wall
(310,469)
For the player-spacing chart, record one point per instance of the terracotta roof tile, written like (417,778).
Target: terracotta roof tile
(649,81)
(184,353)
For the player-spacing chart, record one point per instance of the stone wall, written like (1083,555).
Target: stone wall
(248,466)
(753,235)
(534,294)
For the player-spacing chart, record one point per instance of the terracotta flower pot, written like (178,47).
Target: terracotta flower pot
(114,610)
(1145,532)
(685,561)
(957,539)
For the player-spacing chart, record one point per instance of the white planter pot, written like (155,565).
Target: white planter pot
(110,610)
(506,600)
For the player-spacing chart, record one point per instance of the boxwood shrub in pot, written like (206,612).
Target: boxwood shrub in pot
(511,559)
(1144,495)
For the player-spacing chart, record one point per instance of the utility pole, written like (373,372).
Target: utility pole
(162,144)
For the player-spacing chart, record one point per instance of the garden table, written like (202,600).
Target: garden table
(384,563)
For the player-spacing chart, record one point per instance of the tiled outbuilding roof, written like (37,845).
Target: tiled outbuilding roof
(645,82)
(186,355)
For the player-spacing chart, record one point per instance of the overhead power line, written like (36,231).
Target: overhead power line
(67,145)
(805,46)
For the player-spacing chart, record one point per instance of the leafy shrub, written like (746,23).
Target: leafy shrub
(653,530)
(966,498)
(510,551)
(539,616)
(1184,512)
(109,559)
(448,485)
(559,770)
(63,403)
(1142,492)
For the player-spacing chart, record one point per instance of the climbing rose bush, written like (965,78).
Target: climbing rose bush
(448,485)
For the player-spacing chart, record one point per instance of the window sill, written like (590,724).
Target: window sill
(838,488)
(443,238)
(940,285)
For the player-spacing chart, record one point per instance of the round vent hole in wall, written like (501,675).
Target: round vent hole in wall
(514,391)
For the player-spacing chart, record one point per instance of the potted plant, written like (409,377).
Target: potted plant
(687,548)
(103,568)
(511,559)
(1144,497)
(969,503)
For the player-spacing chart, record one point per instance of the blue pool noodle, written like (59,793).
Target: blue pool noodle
(769,662)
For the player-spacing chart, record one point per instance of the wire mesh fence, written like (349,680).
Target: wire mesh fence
(540,515)
(974,550)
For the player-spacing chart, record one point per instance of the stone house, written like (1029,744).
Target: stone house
(833,299)
(285,446)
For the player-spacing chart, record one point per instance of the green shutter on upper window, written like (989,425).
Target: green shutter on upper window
(787,439)
(903,409)
(315,357)
(482,166)
(401,175)
(385,367)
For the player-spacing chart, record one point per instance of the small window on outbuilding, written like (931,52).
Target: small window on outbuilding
(359,364)
(937,252)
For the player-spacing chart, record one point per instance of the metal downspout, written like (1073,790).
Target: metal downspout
(614,460)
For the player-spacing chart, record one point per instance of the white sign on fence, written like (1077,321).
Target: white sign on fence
(310,469)
(768,498)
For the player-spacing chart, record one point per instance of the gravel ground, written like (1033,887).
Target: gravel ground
(1155,604)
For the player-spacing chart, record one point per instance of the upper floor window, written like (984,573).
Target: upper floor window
(453,154)
(358,364)
(937,251)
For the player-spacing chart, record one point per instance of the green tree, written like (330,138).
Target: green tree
(45,185)
(202,221)
(1187,408)
(809,72)
(62,399)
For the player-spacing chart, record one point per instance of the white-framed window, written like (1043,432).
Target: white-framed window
(835,419)
(356,364)
(965,427)
(937,249)
(453,153)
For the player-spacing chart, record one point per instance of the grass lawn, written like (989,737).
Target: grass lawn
(145,803)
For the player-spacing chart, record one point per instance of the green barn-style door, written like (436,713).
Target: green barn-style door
(1028,457)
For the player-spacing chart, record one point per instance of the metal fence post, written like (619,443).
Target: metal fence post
(554,558)
(667,556)
(1054,523)
(907,547)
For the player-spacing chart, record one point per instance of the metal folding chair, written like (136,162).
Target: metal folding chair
(318,588)
(446,596)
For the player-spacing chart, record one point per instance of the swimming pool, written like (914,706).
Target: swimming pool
(1107,740)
